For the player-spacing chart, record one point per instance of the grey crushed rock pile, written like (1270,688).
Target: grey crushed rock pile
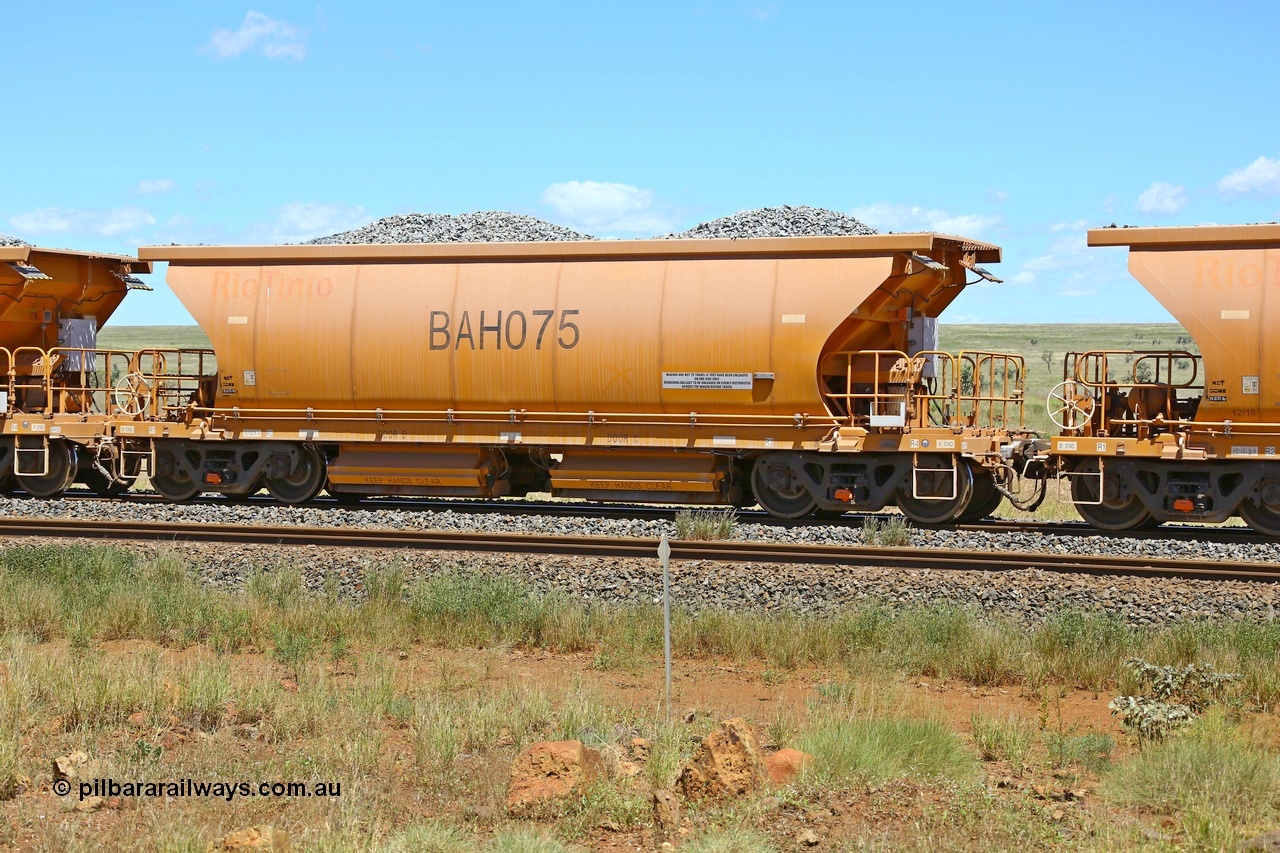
(784,221)
(489,226)
(496,226)
(6,240)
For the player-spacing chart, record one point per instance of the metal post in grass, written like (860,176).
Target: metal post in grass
(664,554)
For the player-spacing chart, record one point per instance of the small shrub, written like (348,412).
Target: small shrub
(1178,694)
(10,752)
(705,524)
(1150,719)
(1091,750)
(292,648)
(735,840)
(526,841)
(1208,770)
(427,838)
(889,532)
(868,751)
(1003,740)
(279,589)
(205,689)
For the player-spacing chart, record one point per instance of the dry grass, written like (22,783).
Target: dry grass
(160,677)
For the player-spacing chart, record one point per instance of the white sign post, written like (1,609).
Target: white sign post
(664,554)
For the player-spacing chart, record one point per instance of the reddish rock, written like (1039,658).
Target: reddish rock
(666,814)
(728,763)
(90,804)
(546,773)
(74,767)
(1267,842)
(785,764)
(261,837)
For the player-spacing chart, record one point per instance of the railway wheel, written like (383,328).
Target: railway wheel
(778,491)
(1263,514)
(176,487)
(58,477)
(939,477)
(1114,512)
(303,483)
(986,499)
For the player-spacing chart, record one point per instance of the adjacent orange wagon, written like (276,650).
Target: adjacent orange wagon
(1156,435)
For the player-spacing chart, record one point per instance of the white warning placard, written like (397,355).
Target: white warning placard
(697,381)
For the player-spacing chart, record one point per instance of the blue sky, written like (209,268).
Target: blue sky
(1018,123)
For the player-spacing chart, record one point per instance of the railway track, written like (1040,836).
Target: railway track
(1214,534)
(587,546)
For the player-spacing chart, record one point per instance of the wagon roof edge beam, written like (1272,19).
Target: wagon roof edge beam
(23,254)
(1186,235)
(870,245)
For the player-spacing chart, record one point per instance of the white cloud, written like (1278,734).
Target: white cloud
(997,196)
(124,220)
(1262,175)
(297,221)
(258,33)
(106,223)
(1070,267)
(161,185)
(761,11)
(597,207)
(1162,198)
(906,217)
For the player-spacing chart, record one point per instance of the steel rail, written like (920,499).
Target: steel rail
(591,546)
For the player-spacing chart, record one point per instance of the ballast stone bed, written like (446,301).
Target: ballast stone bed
(370,516)
(1025,595)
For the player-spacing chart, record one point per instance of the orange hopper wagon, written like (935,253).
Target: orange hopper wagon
(801,373)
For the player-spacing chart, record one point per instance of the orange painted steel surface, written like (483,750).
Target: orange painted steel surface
(42,286)
(1222,283)
(720,326)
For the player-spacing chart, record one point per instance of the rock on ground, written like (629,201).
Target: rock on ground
(490,226)
(727,764)
(666,814)
(784,765)
(784,221)
(261,837)
(548,772)
(74,767)
(6,240)
(1267,842)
